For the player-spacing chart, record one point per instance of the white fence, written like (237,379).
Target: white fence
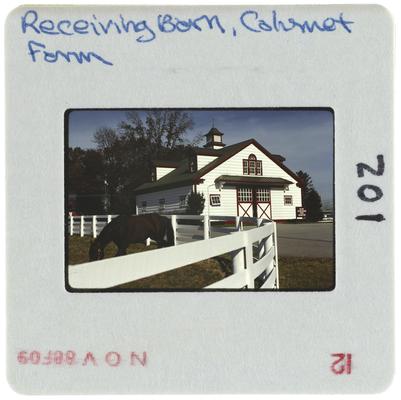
(85,225)
(252,243)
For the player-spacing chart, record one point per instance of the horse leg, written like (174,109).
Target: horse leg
(100,252)
(122,251)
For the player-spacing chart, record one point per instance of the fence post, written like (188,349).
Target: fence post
(174,226)
(237,223)
(81,229)
(206,227)
(262,243)
(71,225)
(249,262)
(276,255)
(108,219)
(94,226)
(238,260)
(147,242)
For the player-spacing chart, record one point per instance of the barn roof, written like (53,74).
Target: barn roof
(166,163)
(181,176)
(253,180)
(214,131)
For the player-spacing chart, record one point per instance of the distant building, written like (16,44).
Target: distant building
(242,179)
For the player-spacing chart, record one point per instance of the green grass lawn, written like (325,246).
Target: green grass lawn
(193,276)
(306,273)
(78,249)
(303,273)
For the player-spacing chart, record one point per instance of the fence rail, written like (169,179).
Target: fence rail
(253,248)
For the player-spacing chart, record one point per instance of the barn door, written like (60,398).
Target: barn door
(263,203)
(244,202)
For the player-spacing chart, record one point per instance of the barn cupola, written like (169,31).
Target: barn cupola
(214,139)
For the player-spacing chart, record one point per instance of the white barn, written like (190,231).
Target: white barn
(242,179)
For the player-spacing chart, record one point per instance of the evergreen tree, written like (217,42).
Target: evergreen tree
(313,205)
(195,203)
(311,200)
(306,182)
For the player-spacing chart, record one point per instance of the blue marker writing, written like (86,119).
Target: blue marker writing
(38,50)
(251,21)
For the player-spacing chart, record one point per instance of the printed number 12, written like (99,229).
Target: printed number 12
(342,364)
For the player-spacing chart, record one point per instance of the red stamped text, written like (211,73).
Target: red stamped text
(342,363)
(89,358)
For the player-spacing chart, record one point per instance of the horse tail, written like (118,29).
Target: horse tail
(170,233)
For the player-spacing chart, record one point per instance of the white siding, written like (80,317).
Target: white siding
(279,209)
(233,166)
(162,171)
(204,160)
(228,195)
(228,201)
(171,196)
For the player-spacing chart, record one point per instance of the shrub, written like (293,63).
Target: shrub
(195,203)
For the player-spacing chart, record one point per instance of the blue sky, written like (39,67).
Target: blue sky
(303,137)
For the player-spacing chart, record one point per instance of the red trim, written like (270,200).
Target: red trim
(246,206)
(268,154)
(240,205)
(245,214)
(244,182)
(244,144)
(245,163)
(264,211)
(221,157)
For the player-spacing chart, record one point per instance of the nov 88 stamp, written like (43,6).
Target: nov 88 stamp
(212,184)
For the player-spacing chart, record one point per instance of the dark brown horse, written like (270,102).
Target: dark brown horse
(126,229)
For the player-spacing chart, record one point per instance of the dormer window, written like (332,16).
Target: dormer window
(252,166)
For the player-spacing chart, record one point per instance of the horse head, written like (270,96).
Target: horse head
(95,251)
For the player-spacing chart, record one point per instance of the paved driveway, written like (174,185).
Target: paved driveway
(305,240)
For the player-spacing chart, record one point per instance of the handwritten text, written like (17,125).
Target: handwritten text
(144,31)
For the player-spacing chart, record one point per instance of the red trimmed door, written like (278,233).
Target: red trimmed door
(244,202)
(263,203)
(253,202)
